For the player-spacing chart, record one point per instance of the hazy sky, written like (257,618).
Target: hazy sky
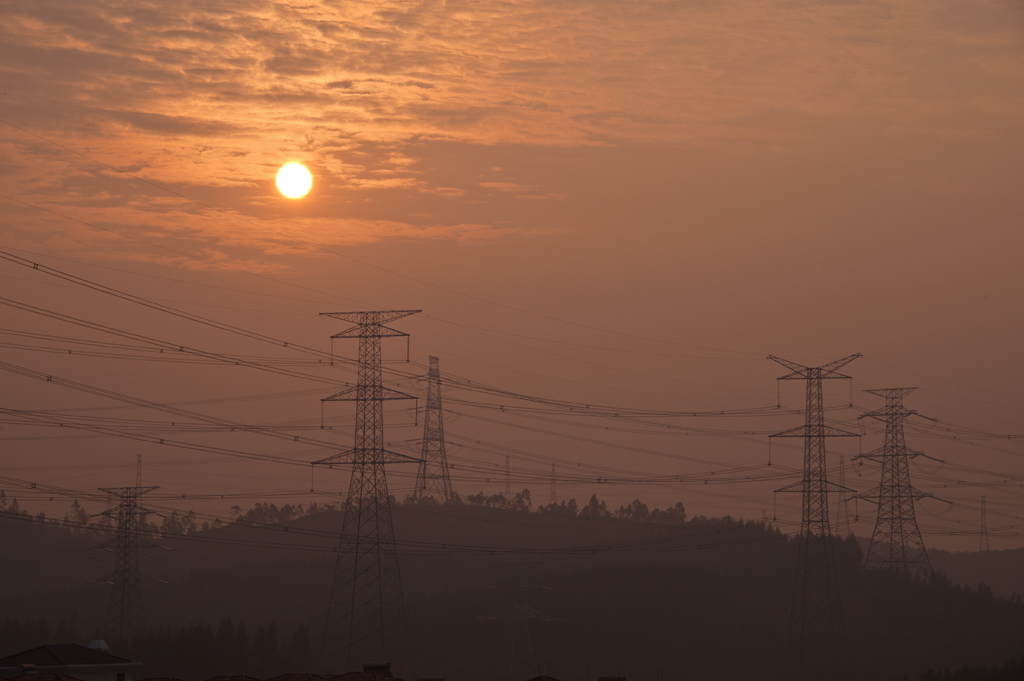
(623,203)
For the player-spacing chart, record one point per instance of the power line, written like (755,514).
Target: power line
(156,406)
(152,439)
(205,321)
(165,345)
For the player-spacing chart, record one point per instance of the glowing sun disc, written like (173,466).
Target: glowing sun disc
(293,180)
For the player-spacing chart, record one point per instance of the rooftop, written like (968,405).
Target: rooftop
(48,676)
(70,654)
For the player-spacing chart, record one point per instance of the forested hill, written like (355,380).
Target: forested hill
(1002,571)
(649,594)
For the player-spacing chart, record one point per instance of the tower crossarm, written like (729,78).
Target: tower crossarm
(375,330)
(129,490)
(804,485)
(533,613)
(352,394)
(811,431)
(893,405)
(801,372)
(888,412)
(869,495)
(354,457)
(891,394)
(872,495)
(874,455)
(370,316)
(877,453)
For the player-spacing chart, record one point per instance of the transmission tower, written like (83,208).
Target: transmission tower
(365,613)
(554,498)
(124,609)
(843,511)
(432,478)
(983,540)
(896,543)
(517,659)
(508,479)
(817,631)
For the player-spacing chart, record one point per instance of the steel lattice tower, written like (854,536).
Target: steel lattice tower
(843,510)
(817,630)
(554,490)
(432,478)
(983,544)
(508,479)
(124,610)
(896,543)
(517,659)
(366,614)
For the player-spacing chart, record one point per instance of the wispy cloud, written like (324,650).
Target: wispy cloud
(212,95)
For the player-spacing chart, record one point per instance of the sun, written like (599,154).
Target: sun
(293,180)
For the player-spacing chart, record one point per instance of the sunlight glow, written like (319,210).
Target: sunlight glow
(293,180)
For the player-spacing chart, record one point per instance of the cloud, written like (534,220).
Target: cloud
(492,72)
(507,187)
(210,97)
(168,125)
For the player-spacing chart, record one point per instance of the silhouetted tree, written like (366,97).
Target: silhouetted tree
(636,511)
(594,509)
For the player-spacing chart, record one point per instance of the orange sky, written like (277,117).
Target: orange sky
(691,186)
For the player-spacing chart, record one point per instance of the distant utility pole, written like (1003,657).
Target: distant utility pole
(124,609)
(554,497)
(366,614)
(432,478)
(983,544)
(896,543)
(817,631)
(843,511)
(508,479)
